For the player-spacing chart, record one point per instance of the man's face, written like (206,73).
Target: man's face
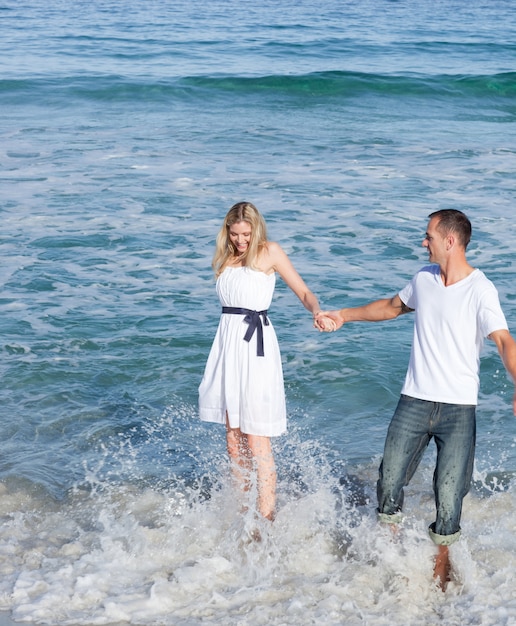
(434,242)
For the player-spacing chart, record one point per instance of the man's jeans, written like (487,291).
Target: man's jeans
(415,422)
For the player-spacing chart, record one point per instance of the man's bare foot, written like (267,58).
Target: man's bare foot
(442,567)
(395,529)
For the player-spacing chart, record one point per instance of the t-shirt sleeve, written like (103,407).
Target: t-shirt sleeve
(491,316)
(407,295)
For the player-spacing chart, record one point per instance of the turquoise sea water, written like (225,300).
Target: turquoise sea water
(127,131)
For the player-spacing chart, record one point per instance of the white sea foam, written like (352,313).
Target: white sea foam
(149,557)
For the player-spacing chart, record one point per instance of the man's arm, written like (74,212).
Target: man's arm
(377,311)
(507,349)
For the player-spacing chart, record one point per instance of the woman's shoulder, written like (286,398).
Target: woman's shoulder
(269,256)
(273,249)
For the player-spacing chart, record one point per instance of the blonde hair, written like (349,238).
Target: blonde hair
(224,247)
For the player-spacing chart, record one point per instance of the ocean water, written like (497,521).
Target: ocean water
(127,131)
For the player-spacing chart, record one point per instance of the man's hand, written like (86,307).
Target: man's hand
(327,322)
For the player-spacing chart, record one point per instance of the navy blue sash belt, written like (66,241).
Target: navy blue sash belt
(255,323)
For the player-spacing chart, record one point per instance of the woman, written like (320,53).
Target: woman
(242,386)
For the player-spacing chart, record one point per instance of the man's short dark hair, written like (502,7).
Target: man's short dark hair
(453,221)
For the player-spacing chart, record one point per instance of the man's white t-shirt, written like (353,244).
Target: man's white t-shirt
(450,326)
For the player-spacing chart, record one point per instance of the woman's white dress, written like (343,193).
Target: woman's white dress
(248,387)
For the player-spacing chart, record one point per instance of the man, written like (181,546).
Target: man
(455,307)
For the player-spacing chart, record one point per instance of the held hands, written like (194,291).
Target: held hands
(327,321)
(324,323)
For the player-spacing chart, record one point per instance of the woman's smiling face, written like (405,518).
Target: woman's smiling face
(240,236)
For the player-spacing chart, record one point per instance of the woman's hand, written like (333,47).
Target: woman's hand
(324,323)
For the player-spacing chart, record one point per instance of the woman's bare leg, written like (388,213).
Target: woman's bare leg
(240,456)
(261,452)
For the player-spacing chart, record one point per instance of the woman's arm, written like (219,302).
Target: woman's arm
(279,262)
(275,259)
